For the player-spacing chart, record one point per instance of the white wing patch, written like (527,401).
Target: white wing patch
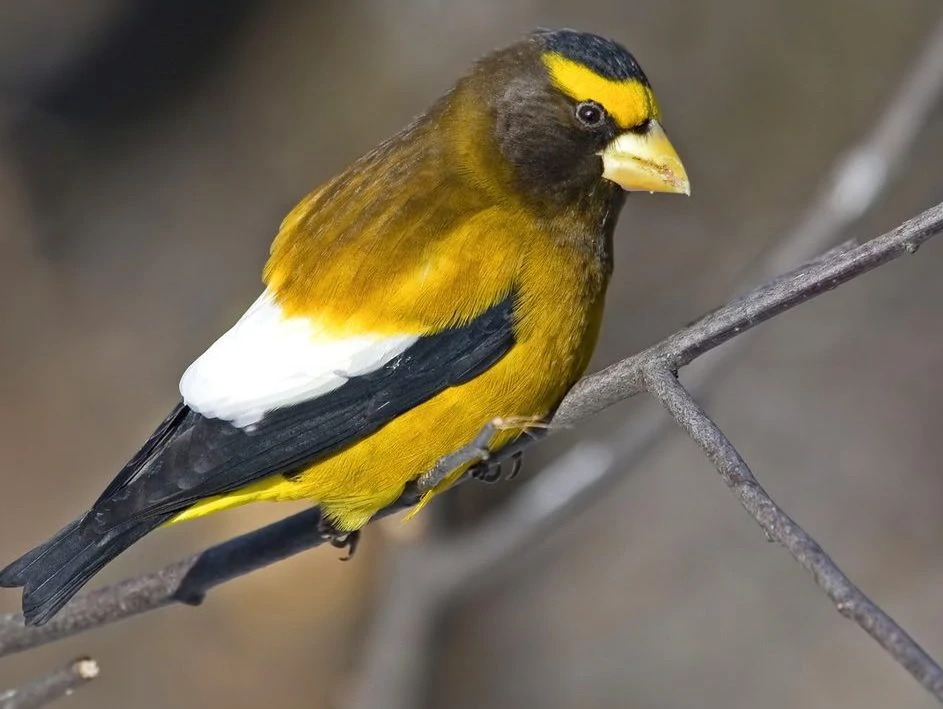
(267,361)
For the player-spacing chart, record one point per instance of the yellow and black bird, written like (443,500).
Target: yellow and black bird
(454,274)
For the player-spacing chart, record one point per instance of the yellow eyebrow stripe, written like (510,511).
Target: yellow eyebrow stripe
(629,102)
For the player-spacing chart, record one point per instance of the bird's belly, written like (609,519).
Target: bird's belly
(355,483)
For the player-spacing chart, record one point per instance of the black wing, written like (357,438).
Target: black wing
(191,457)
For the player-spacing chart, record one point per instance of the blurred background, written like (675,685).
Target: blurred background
(149,149)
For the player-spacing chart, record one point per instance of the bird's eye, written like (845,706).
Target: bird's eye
(590,114)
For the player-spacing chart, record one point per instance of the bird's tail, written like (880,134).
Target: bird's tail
(54,571)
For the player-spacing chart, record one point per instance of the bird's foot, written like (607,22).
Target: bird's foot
(339,539)
(494,472)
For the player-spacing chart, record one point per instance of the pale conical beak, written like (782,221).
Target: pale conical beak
(645,162)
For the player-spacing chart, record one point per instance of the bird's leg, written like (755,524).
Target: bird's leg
(477,454)
(338,539)
(474,452)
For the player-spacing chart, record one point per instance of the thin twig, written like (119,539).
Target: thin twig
(52,686)
(848,598)
(624,379)
(188,581)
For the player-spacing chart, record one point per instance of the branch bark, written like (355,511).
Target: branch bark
(189,580)
(850,601)
(852,189)
(52,686)
(437,570)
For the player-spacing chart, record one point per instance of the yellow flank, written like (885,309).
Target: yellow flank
(559,287)
(629,102)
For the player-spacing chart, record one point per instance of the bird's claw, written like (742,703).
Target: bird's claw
(487,473)
(339,539)
(494,472)
(516,460)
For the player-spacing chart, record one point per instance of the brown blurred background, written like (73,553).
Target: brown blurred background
(148,150)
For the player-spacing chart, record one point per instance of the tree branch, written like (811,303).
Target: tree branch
(189,580)
(436,570)
(52,686)
(624,379)
(848,598)
(575,476)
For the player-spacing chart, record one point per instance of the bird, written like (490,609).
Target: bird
(453,276)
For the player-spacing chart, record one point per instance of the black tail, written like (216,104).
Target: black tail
(54,571)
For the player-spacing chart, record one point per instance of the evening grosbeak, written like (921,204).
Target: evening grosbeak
(454,274)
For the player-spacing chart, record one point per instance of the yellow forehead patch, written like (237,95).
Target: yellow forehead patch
(628,101)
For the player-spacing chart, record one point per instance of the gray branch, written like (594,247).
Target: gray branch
(437,570)
(188,581)
(449,563)
(663,384)
(52,686)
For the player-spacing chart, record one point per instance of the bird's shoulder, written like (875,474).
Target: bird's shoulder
(417,255)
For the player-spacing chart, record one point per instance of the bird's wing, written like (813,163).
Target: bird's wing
(268,398)
(384,297)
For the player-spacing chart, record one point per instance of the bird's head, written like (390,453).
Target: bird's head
(567,112)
